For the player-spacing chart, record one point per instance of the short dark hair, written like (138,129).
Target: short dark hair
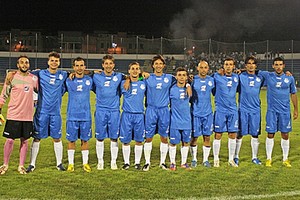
(54,54)
(278,59)
(22,56)
(108,57)
(77,59)
(181,69)
(158,57)
(251,58)
(229,59)
(133,63)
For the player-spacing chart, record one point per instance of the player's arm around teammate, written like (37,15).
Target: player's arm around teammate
(79,113)
(180,127)
(107,114)
(19,122)
(226,114)
(280,88)
(249,108)
(157,115)
(201,110)
(47,118)
(132,125)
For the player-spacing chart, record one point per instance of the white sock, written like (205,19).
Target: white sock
(58,149)
(269,147)
(172,154)
(163,152)
(138,150)
(35,147)
(194,150)
(85,156)
(206,151)
(114,151)
(184,154)
(100,151)
(231,148)
(216,148)
(71,153)
(254,147)
(285,146)
(126,153)
(147,151)
(238,147)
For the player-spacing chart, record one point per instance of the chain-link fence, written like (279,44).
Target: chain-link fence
(71,44)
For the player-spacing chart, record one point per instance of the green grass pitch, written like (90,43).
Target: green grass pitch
(245,182)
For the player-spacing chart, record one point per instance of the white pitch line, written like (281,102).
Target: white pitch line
(260,196)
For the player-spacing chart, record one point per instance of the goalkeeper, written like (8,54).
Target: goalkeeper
(19,112)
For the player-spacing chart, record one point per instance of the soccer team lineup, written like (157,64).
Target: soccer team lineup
(176,107)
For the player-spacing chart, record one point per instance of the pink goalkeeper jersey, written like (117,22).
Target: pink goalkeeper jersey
(20,91)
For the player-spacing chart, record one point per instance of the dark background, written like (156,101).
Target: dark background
(223,20)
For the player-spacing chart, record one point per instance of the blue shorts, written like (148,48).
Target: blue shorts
(278,122)
(203,125)
(159,117)
(107,124)
(249,123)
(177,136)
(132,127)
(226,122)
(78,129)
(46,125)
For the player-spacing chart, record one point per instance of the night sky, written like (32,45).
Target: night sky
(223,20)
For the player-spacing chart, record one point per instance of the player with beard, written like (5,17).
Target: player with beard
(79,118)
(19,122)
(280,89)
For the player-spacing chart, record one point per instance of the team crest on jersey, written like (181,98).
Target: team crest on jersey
(87,82)
(286,80)
(209,83)
(79,88)
(26,88)
(235,79)
(34,78)
(142,86)
(115,78)
(60,77)
(166,80)
(106,83)
(258,79)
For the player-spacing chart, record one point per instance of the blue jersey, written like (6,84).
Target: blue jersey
(201,99)
(79,108)
(249,90)
(180,109)
(108,90)
(225,92)
(133,99)
(279,88)
(50,91)
(158,90)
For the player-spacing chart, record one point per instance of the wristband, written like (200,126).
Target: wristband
(187,85)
